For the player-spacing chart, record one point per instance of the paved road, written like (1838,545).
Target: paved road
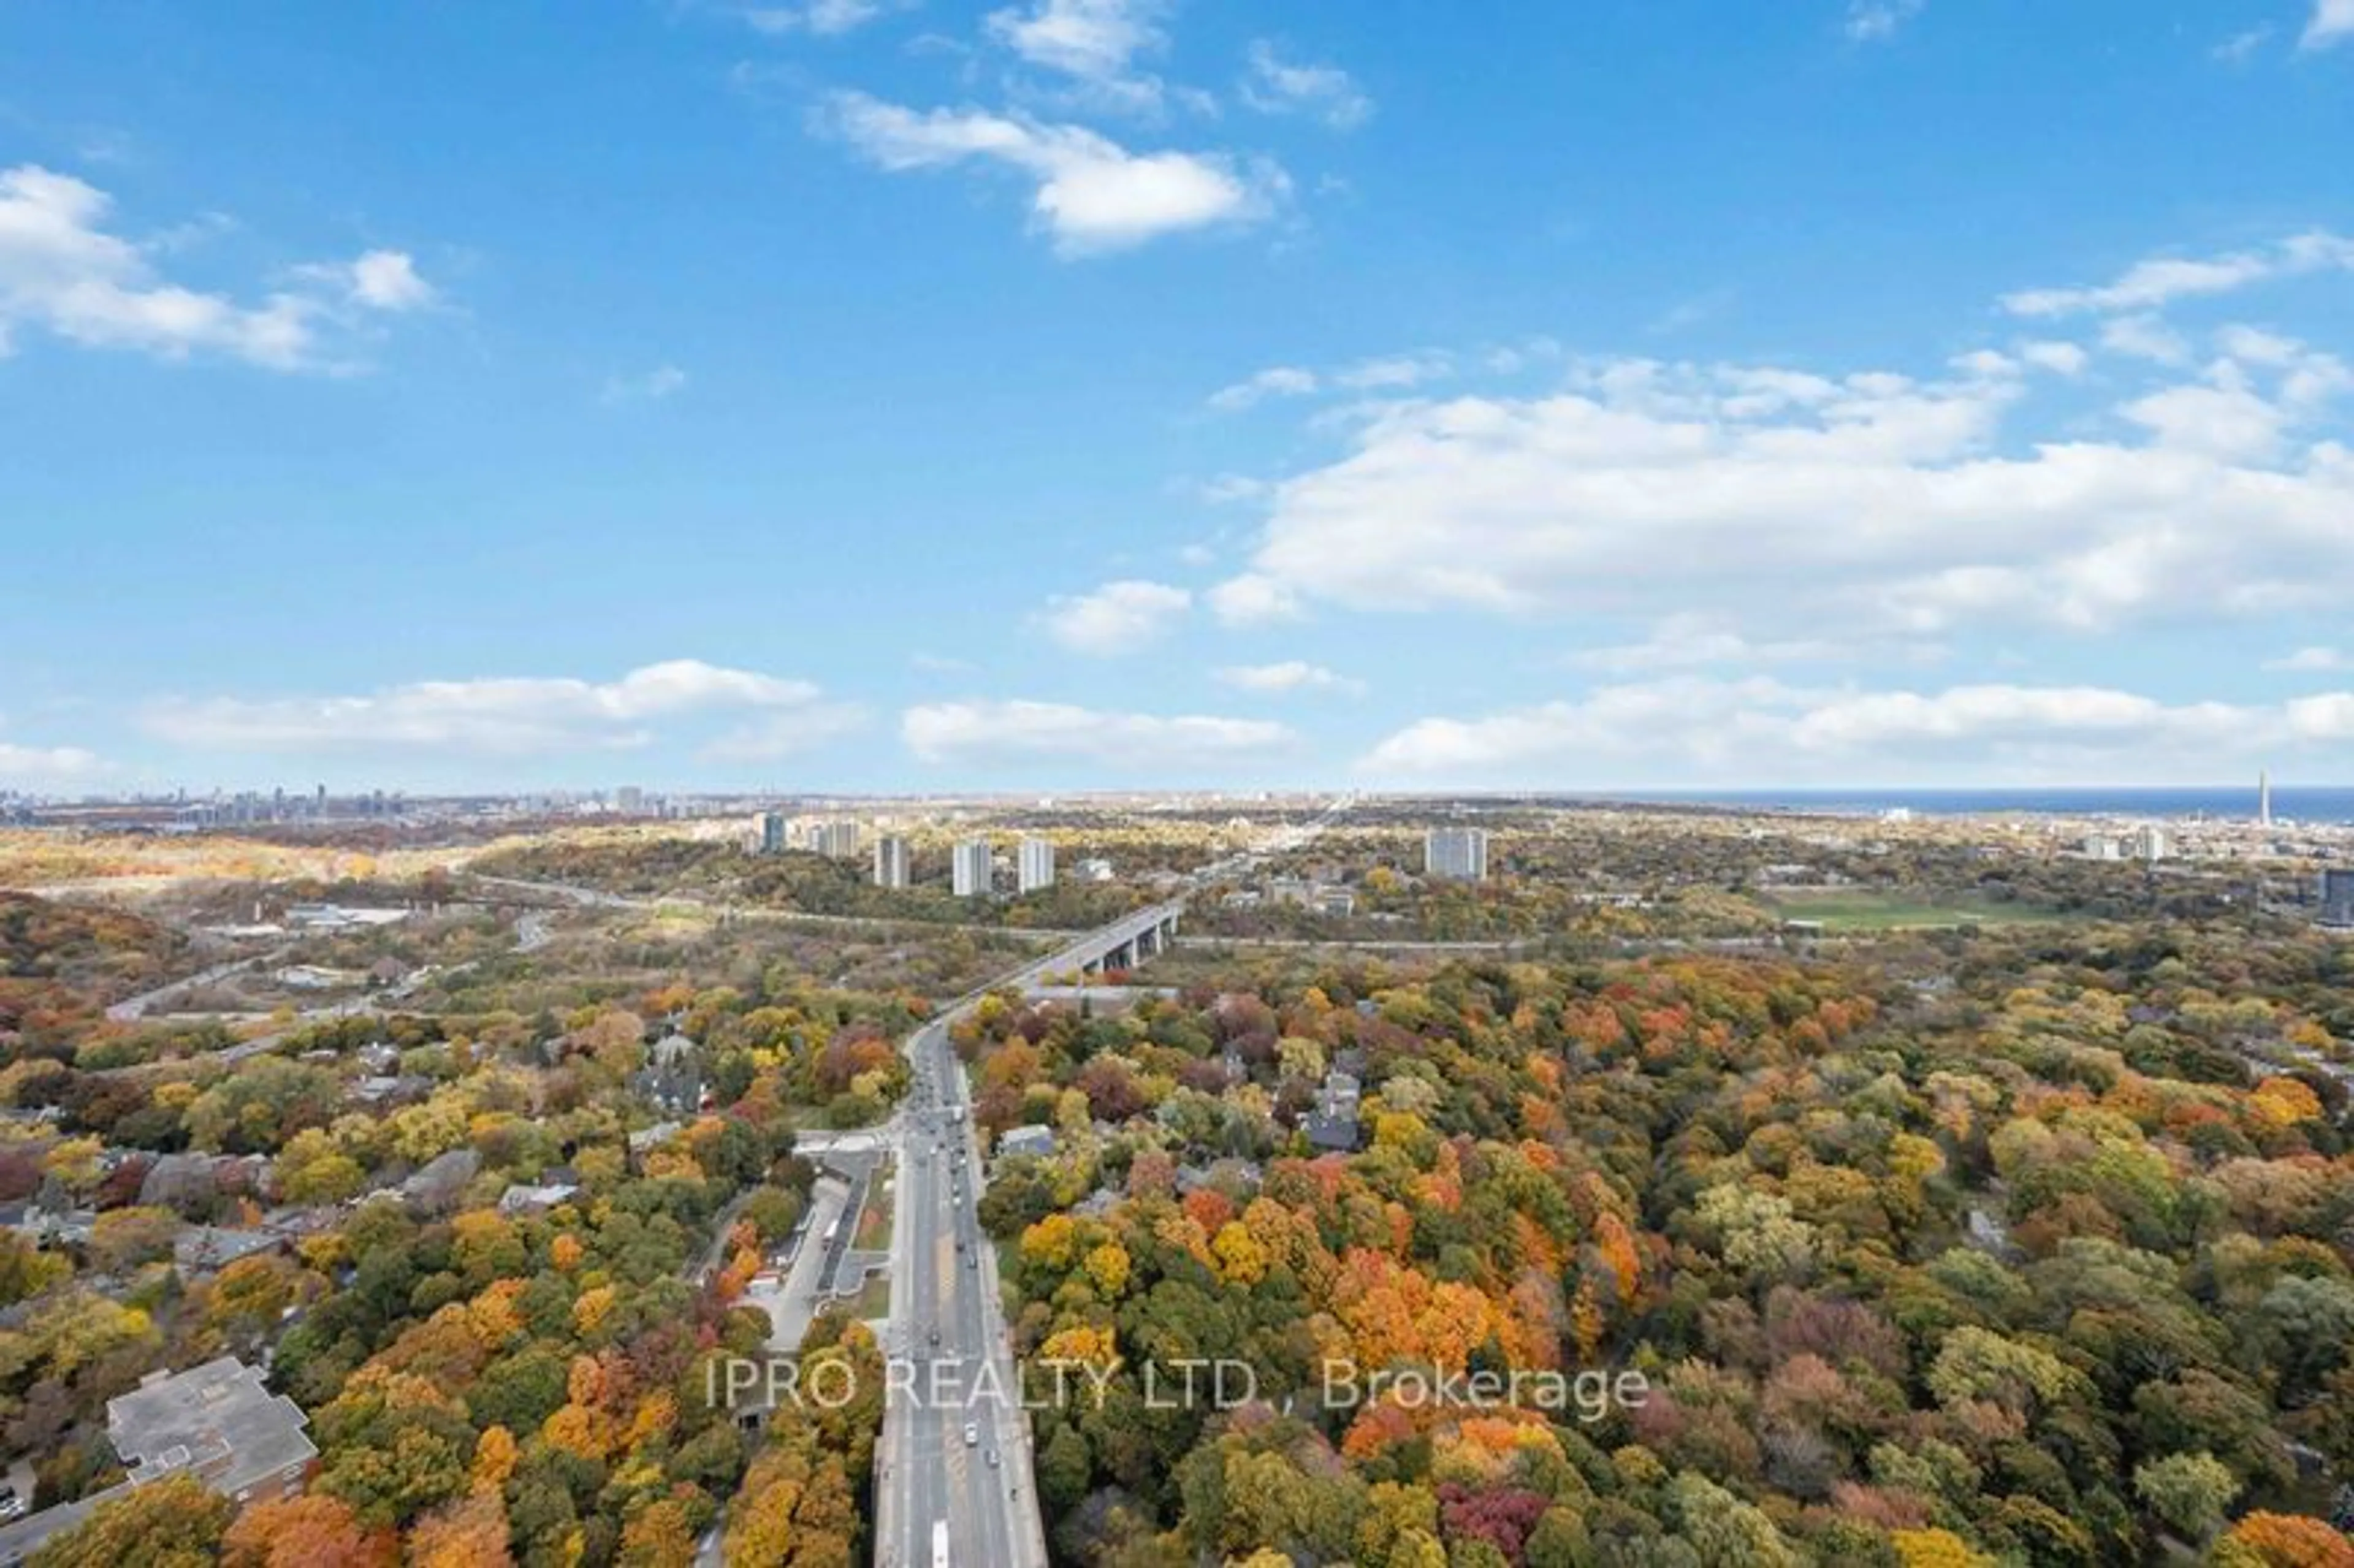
(955,1442)
(944,1282)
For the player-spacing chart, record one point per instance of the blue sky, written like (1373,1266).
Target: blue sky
(852,394)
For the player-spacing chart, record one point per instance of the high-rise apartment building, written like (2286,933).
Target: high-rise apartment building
(772,833)
(1457,854)
(890,862)
(836,840)
(969,872)
(1035,865)
(2338,897)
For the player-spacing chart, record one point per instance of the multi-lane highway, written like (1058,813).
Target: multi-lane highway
(956,1441)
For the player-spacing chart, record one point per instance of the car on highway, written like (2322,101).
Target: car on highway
(992,1458)
(971,1433)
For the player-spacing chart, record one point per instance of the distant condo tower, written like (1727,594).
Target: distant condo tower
(2338,897)
(970,874)
(890,862)
(1459,854)
(836,840)
(1036,865)
(2264,799)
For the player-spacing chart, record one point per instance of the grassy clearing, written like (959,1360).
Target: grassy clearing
(873,1301)
(1864,909)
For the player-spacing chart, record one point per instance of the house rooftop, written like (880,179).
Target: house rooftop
(216,1419)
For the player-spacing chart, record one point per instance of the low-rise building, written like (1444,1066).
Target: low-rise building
(218,1422)
(215,1422)
(1033,1140)
(202,1250)
(1332,1126)
(537,1197)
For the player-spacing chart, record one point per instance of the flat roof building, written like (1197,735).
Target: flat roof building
(2338,897)
(1035,865)
(1456,854)
(971,875)
(891,861)
(216,1422)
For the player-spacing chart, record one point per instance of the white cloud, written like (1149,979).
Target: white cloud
(2332,23)
(62,271)
(1273,85)
(498,716)
(661,382)
(825,18)
(2313,661)
(2145,337)
(46,767)
(2059,358)
(1774,500)
(1117,618)
(1875,21)
(1395,372)
(1762,731)
(1094,42)
(2241,47)
(387,281)
(1693,641)
(1290,675)
(1278,381)
(2152,284)
(1253,599)
(1092,195)
(986,734)
(1382,373)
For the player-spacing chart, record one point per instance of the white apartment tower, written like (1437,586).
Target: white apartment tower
(836,840)
(1035,862)
(890,862)
(1456,854)
(970,874)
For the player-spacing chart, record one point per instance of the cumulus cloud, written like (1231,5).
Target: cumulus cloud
(1091,195)
(506,716)
(2332,23)
(1018,734)
(1094,43)
(2313,661)
(2159,282)
(1760,730)
(1766,496)
(46,767)
(379,280)
(63,270)
(1115,618)
(1252,599)
(1693,641)
(1289,675)
(1273,85)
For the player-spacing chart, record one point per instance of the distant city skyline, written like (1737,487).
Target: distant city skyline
(1634,398)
